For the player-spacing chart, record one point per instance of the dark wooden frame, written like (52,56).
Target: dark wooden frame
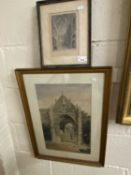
(106,95)
(124,83)
(48,2)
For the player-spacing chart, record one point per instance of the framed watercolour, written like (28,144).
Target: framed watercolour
(66,112)
(64,32)
(124,105)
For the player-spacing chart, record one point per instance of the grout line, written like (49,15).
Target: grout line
(29,45)
(119,135)
(25,152)
(51,171)
(11,87)
(123,169)
(101,41)
(17,123)
(126,172)
(15,45)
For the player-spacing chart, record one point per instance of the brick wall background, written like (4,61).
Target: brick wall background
(19,48)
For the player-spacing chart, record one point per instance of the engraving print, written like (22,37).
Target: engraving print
(63,28)
(66,116)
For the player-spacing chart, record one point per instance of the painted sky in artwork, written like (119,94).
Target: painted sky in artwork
(79,94)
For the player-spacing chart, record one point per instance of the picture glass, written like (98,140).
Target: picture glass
(124,102)
(64,33)
(66,111)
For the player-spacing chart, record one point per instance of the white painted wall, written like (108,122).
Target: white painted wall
(19,48)
(8,164)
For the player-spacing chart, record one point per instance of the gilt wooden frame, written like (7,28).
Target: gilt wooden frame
(124,101)
(95,76)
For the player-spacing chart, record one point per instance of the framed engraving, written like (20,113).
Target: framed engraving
(64,32)
(67,112)
(124,103)
(64,23)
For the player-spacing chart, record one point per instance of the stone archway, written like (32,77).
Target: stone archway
(67,128)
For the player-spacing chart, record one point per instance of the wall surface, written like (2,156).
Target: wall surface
(19,48)
(8,165)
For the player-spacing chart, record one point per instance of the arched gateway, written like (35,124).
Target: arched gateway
(63,123)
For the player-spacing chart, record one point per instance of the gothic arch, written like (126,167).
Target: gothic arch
(64,120)
(68,128)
